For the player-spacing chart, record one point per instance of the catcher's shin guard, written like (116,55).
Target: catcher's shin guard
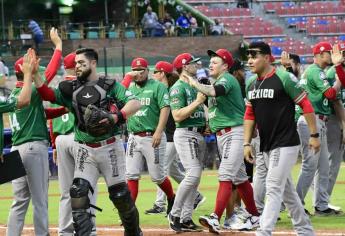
(80,203)
(128,212)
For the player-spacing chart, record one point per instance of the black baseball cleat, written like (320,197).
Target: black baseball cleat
(190,226)
(155,210)
(327,212)
(170,204)
(174,223)
(199,200)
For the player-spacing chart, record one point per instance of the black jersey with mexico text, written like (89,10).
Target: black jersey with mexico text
(273,100)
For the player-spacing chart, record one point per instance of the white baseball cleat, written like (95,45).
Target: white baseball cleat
(235,222)
(336,208)
(211,222)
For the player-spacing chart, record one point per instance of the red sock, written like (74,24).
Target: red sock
(245,191)
(133,186)
(223,196)
(167,188)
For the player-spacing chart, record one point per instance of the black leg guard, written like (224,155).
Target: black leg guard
(128,212)
(82,221)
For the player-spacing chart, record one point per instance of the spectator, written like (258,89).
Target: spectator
(3,71)
(159,29)
(242,4)
(183,21)
(217,28)
(202,73)
(37,33)
(193,22)
(149,22)
(169,24)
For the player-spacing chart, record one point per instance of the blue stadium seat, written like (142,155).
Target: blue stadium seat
(74,35)
(342,37)
(276,50)
(278,40)
(92,35)
(129,34)
(113,34)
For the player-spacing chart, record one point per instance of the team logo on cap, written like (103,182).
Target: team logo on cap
(138,63)
(322,48)
(184,61)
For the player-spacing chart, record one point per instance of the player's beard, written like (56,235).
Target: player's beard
(141,83)
(84,75)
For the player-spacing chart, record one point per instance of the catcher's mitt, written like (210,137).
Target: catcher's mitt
(92,116)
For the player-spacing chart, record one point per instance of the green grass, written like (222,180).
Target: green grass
(146,198)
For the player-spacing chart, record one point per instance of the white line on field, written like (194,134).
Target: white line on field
(111,229)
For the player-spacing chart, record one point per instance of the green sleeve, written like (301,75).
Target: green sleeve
(292,87)
(319,81)
(121,93)
(249,82)
(177,98)
(162,96)
(60,99)
(331,73)
(226,83)
(8,105)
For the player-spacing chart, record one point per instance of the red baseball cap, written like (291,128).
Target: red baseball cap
(69,61)
(322,47)
(224,54)
(139,63)
(184,59)
(17,65)
(164,66)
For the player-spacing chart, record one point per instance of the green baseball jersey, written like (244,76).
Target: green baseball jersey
(227,110)
(63,124)
(181,95)
(315,82)
(153,96)
(28,123)
(8,105)
(118,91)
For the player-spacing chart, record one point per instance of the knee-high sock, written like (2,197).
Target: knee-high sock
(167,188)
(245,190)
(133,186)
(223,196)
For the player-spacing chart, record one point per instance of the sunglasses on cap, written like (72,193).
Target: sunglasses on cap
(156,71)
(253,52)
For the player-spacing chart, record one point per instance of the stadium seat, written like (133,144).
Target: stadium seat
(92,35)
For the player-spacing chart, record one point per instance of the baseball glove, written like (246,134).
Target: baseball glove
(92,116)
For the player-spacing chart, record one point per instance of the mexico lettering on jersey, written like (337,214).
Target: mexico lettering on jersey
(181,95)
(153,96)
(273,100)
(227,110)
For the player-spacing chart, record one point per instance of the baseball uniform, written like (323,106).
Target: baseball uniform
(30,138)
(153,96)
(272,101)
(334,138)
(96,155)
(6,105)
(315,166)
(190,146)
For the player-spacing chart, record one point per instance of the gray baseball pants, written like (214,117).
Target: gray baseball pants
(336,150)
(315,166)
(279,186)
(190,147)
(65,145)
(32,186)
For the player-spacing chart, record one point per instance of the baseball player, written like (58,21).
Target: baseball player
(97,150)
(335,131)
(30,138)
(271,97)
(164,73)
(23,99)
(226,110)
(315,166)
(62,138)
(146,132)
(188,112)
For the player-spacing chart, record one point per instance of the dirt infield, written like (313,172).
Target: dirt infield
(112,231)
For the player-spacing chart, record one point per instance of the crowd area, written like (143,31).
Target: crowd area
(261,114)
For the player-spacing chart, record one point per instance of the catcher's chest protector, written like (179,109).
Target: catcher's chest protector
(90,93)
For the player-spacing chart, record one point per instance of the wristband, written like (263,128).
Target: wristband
(247,145)
(121,117)
(316,135)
